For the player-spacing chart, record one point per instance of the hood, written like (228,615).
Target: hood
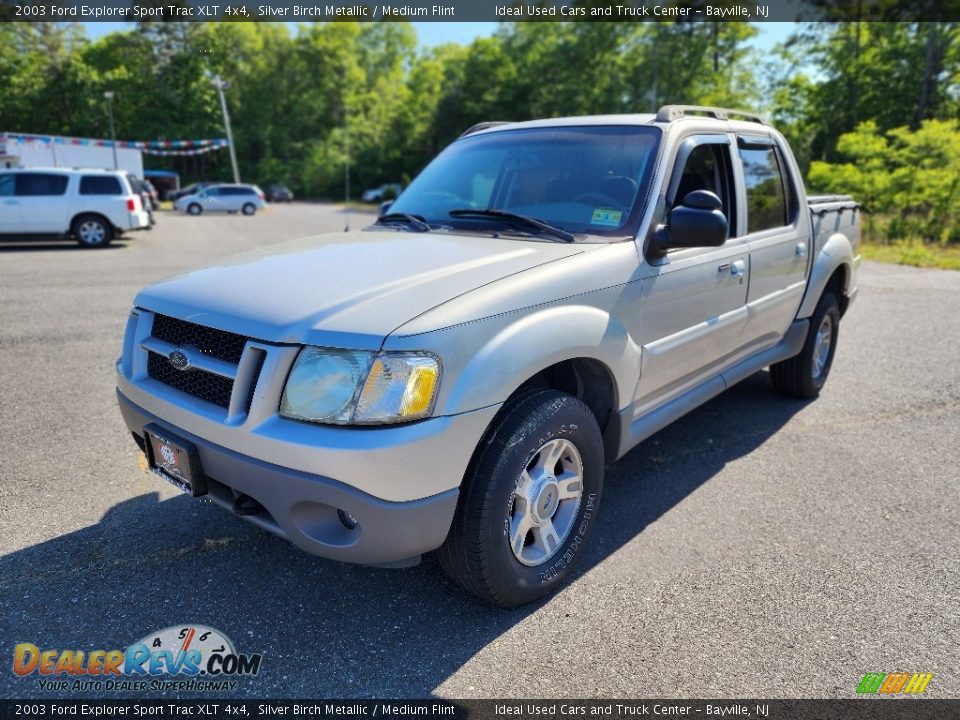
(346,290)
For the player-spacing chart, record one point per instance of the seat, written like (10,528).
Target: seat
(621,188)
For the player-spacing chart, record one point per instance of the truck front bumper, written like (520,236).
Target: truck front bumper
(303,507)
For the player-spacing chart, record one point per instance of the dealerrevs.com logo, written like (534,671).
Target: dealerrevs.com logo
(180,657)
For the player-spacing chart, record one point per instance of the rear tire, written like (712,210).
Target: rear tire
(249,209)
(92,231)
(804,375)
(529,500)
(194,209)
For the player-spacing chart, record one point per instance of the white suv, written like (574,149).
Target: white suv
(92,206)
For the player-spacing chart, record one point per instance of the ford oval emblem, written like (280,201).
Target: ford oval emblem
(179,359)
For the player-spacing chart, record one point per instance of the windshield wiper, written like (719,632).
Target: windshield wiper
(514,217)
(414,221)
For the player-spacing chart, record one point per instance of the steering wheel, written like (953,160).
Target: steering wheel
(597,198)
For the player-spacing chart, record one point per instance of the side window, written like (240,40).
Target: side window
(766,196)
(33,184)
(100,185)
(6,185)
(708,167)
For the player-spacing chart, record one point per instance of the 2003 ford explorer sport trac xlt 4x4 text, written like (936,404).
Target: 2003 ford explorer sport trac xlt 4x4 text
(544,296)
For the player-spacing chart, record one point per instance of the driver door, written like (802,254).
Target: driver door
(212,202)
(693,300)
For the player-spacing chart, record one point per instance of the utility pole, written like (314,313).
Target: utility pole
(220,84)
(346,176)
(113,135)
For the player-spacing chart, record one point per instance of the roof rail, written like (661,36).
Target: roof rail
(669,113)
(483,126)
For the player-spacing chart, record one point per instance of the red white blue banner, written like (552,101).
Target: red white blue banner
(150,147)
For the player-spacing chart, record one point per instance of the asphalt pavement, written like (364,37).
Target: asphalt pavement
(759,547)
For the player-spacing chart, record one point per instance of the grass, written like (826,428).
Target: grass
(924,255)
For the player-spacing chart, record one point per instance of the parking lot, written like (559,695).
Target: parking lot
(759,547)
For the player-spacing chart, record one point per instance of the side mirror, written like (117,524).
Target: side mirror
(384,208)
(696,222)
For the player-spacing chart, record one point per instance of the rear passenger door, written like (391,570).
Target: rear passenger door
(693,307)
(232,198)
(105,194)
(778,248)
(10,220)
(44,203)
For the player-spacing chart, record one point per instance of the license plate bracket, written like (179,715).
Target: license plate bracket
(175,460)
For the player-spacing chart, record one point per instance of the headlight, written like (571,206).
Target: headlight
(322,384)
(341,387)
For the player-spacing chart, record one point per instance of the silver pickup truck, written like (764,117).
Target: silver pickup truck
(544,296)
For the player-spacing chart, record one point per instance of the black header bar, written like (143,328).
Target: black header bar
(480,10)
(875,708)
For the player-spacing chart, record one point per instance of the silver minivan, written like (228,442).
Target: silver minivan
(223,198)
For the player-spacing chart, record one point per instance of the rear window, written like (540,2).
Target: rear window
(100,185)
(237,191)
(766,196)
(34,184)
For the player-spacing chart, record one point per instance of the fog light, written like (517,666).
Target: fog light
(347,520)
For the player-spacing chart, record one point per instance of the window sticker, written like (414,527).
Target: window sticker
(606,217)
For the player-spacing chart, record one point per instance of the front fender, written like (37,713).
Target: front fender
(486,361)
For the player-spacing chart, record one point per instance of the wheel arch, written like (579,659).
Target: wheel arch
(580,350)
(90,213)
(832,269)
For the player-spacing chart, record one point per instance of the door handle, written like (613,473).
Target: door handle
(801,249)
(9,202)
(738,267)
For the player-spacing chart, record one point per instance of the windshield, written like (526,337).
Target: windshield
(588,179)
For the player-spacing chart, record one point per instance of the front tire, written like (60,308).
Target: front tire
(529,500)
(194,209)
(804,376)
(92,231)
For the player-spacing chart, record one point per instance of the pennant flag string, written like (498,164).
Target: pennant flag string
(151,147)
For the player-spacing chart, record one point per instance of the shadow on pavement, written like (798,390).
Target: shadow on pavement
(54,245)
(325,629)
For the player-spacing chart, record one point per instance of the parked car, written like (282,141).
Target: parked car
(139,187)
(153,194)
(279,193)
(91,206)
(223,198)
(192,189)
(544,296)
(389,191)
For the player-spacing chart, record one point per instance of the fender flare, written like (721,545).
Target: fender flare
(537,341)
(836,252)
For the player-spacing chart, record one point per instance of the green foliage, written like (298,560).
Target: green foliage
(868,108)
(908,180)
(302,103)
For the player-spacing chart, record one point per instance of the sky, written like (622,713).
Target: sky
(437,33)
